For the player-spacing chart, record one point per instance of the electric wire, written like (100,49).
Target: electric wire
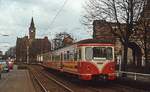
(53,20)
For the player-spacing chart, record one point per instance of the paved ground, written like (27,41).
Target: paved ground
(16,81)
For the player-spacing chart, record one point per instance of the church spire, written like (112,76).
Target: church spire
(32,23)
(32,29)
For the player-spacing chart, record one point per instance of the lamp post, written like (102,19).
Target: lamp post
(4,34)
(27,54)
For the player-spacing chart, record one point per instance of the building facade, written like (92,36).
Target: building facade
(28,47)
(135,50)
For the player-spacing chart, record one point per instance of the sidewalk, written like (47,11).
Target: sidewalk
(16,81)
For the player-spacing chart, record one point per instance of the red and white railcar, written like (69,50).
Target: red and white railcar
(88,59)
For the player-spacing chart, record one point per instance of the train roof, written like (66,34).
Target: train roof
(89,42)
(98,40)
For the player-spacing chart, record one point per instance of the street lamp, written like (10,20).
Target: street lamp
(4,46)
(4,34)
(27,54)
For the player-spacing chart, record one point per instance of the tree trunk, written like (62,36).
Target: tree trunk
(134,58)
(146,61)
(125,58)
(145,51)
(137,54)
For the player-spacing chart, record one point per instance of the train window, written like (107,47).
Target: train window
(65,56)
(102,53)
(109,53)
(99,53)
(57,57)
(79,54)
(68,55)
(75,56)
(53,58)
(61,56)
(71,56)
(88,53)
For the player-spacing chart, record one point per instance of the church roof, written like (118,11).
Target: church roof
(32,23)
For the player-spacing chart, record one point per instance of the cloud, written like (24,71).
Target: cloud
(16,15)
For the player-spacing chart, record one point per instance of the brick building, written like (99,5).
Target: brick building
(102,28)
(145,17)
(28,47)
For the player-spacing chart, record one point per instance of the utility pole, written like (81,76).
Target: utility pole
(27,54)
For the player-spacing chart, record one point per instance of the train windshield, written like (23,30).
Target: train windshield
(98,53)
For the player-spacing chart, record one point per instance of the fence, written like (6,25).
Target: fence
(140,76)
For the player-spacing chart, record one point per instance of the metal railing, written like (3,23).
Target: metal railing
(134,74)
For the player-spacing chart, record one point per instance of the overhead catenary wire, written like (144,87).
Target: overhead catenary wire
(55,17)
(53,20)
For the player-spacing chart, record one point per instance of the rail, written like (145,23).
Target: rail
(44,74)
(40,84)
(59,83)
(135,75)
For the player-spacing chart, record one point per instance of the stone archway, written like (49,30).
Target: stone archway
(137,54)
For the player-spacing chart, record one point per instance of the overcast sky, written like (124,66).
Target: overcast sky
(15,18)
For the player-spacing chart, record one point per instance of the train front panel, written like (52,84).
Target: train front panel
(97,62)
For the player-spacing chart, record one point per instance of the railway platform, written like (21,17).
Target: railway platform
(16,81)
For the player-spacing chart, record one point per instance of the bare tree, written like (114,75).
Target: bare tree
(124,13)
(62,39)
(143,35)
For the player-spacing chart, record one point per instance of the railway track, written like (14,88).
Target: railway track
(74,85)
(47,83)
(35,79)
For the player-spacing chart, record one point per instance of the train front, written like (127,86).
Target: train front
(97,62)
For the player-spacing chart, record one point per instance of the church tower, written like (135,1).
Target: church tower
(32,30)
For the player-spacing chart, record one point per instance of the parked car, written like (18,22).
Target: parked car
(4,66)
(10,64)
